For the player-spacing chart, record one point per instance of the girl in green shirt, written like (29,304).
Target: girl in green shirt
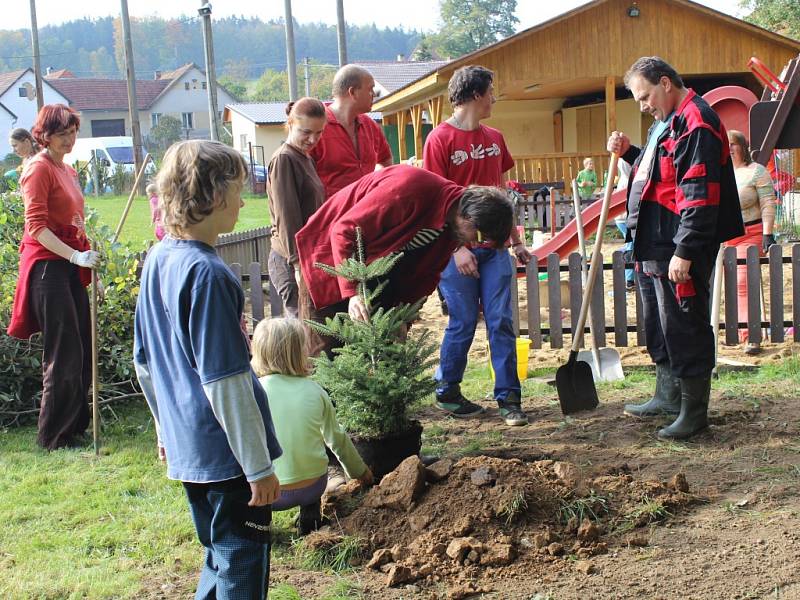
(304,420)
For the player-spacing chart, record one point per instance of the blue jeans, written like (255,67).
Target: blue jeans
(462,294)
(235,568)
(623,228)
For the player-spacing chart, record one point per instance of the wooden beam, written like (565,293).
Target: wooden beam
(402,120)
(416,122)
(435,109)
(611,104)
(558,131)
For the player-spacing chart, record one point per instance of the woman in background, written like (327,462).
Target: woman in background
(757,199)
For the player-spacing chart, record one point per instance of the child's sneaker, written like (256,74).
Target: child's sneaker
(511,411)
(455,404)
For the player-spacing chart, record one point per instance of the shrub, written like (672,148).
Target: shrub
(375,378)
(20,360)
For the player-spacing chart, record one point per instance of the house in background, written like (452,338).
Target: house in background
(103,103)
(18,105)
(261,125)
(559,84)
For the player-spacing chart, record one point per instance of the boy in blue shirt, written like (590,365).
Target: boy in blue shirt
(191,357)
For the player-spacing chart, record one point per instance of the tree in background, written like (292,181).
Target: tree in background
(471,24)
(780,16)
(168,131)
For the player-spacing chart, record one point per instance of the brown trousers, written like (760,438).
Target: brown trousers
(61,305)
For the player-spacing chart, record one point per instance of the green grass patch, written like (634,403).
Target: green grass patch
(80,526)
(138,228)
(337,557)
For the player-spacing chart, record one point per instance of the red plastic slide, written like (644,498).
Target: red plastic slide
(566,240)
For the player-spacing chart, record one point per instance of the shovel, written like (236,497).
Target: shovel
(574,381)
(605,362)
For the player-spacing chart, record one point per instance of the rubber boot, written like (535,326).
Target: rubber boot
(694,409)
(665,401)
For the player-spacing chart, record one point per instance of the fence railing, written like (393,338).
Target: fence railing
(556,166)
(547,310)
(244,247)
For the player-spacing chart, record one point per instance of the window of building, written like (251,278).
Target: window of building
(194,84)
(186,85)
(204,85)
(23,93)
(154,117)
(188,120)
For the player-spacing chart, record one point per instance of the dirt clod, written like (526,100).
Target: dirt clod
(555,549)
(439,470)
(379,558)
(498,555)
(588,532)
(585,567)
(679,483)
(400,488)
(459,548)
(483,477)
(398,574)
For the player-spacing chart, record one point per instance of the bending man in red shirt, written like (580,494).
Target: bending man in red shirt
(352,144)
(398,209)
(467,152)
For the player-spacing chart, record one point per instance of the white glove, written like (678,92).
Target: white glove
(89,259)
(297,276)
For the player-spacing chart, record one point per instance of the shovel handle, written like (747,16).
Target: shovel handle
(598,248)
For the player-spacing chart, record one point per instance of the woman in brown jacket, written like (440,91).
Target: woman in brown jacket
(295,193)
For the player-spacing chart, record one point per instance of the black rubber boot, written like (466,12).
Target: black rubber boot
(694,409)
(665,401)
(310,518)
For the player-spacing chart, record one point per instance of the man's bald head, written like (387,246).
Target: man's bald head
(349,76)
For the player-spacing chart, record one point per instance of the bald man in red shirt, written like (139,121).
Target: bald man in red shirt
(353,145)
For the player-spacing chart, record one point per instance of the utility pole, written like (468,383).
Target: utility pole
(308,82)
(211,72)
(37,64)
(342,33)
(133,107)
(291,64)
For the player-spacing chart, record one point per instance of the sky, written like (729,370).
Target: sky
(421,15)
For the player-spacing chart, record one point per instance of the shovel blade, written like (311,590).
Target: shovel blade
(610,367)
(575,385)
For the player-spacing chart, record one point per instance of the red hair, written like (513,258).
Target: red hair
(53,118)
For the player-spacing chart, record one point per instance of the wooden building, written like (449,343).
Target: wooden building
(559,84)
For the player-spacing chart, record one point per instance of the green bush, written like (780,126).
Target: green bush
(20,360)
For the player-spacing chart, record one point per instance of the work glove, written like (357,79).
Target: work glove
(89,259)
(769,240)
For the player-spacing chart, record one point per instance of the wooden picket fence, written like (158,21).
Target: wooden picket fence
(541,316)
(538,305)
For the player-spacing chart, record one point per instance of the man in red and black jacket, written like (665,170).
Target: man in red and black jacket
(682,203)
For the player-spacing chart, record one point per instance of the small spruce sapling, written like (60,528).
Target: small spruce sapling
(376,376)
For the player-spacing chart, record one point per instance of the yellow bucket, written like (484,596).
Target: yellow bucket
(523,349)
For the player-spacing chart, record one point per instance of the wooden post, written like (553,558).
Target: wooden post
(416,122)
(534,314)
(37,64)
(341,33)
(402,121)
(211,70)
(130,74)
(291,62)
(611,104)
(435,109)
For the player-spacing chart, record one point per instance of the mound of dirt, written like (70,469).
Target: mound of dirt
(464,523)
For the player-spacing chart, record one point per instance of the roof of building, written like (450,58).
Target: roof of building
(179,72)
(60,74)
(8,110)
(268,113)
(9,79)
(396,74)
(107,94)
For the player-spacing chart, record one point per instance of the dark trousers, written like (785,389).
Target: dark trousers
(677,316)
(61,305)
(235,568)
(281,273)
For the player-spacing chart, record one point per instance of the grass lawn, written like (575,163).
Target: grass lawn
(138,228)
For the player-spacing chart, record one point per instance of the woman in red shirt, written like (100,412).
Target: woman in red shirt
(55,263)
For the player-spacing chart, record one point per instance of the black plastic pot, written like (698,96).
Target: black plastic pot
(383,454)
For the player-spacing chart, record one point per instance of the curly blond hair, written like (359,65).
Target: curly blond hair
(193,181)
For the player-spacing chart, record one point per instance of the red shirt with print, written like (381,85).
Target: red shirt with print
(476,157)
(338,164)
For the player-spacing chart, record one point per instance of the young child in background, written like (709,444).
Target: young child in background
(152,193)
(304,419)
(587,179)
(192,361)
